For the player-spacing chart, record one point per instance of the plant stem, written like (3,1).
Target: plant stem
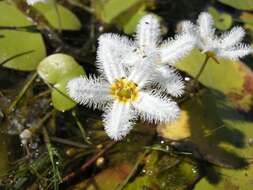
(42,121)
(69,143)
(89,162)
(52,153)
(131,174)
(80,126)
(202,68)
(22,92)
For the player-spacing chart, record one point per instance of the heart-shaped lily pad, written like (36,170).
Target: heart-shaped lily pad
(57,70)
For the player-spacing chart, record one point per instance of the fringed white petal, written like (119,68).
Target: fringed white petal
(188,27)
(32,2)
(170,81)
(89,91)
(231,38)
(110,52)
(148,32)
(175,49)
(119,120)
(157,109)
(205,22)
(143,70)
(235,52)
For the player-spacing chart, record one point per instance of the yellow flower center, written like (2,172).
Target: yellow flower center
(210,54)
(124,91)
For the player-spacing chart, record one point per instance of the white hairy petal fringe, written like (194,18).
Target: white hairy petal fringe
(92,92)
(118,120)
(231,38)
(205,22)
(143,71)
(148,32)
(155,108)
(32,2)
(188,27)
(109,55)
(175,49)
(168,80)
(235,52)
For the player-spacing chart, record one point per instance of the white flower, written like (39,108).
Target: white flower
(122,95)
(32,2)
(227,45)
(147,41)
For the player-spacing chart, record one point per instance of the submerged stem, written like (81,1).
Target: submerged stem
(131,174)
(80,126)
(202,67)
(52,153)
(22,92)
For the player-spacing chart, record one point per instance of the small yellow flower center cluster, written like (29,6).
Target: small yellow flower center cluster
(124,91)
(210,54)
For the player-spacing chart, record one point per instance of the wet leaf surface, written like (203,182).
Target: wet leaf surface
(59,17)
(236,85)
(57,70)
(242,4)
(16,41)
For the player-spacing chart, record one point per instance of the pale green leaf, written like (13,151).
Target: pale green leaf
(17,42)
(66,20)
(239,4)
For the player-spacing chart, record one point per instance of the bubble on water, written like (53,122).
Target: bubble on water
(187,78)
(195,170)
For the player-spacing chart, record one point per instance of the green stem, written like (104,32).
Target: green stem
(80,126)
(22,92)
(202,68)
(41,122)
(131,174)
(69,143)
(52,154)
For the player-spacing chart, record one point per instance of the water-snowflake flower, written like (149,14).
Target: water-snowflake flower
(228,45)
(122,95)
(148,40)
(32,2)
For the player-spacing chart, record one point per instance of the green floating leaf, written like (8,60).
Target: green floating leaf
(58,69)
(16,42)
(223,137)
(222,21)
(110,9)
(129,20)
(239,4)
(247,18)
(57,66)
(163,171)
(236,85)
(66,20)
(124,14)
(60,92)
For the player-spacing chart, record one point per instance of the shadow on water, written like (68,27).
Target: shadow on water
(214,134)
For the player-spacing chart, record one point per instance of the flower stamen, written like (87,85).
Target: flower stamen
(124,91)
